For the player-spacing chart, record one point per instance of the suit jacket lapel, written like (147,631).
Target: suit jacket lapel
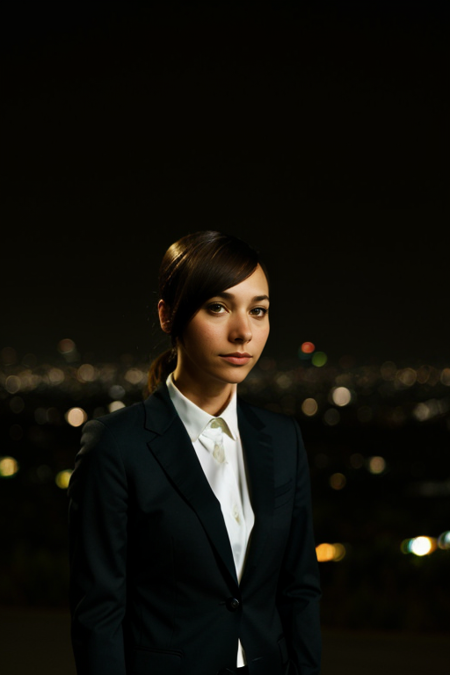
(258,453)
(174,451)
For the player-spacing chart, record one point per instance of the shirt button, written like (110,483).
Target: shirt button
(232,604)
(214,424)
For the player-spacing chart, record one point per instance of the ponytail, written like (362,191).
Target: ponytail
(161,368)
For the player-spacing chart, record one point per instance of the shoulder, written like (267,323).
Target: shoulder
(123,419)
(113,429)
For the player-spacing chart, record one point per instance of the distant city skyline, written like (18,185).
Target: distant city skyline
(319,137)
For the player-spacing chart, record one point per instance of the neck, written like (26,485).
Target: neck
(213,399)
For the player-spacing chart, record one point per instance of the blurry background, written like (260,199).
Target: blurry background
(318,132)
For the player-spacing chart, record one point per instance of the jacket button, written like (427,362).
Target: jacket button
(232,604)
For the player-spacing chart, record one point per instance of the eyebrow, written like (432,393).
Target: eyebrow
(230,296)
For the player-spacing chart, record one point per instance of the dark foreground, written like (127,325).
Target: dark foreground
(33,641)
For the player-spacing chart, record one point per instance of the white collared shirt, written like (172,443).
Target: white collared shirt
(196,420)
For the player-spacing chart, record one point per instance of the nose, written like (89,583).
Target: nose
(241,330)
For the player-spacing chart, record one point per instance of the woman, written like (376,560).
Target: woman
(192,548)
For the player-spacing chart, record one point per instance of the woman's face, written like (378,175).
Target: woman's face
(225,338)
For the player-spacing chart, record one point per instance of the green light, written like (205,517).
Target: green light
(319,359)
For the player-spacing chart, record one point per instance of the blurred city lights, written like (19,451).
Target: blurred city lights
(66,346)
(116,391)
(17,404)
(116,405)
(8,467)
(330,552)
(76,417)
(283,380)
(319,359)
(419,546)
(444,541)
(134,376)
(56,376)
(376,465)
(426,410)
(62,479)
(423,374)
(341,396)
(337,481)
(86,373)
(407,376)
(331,417)
(445,377)
(12,384)
(309,407)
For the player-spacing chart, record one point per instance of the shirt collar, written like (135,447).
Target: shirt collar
(195,419)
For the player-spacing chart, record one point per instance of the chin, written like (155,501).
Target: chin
(235,376)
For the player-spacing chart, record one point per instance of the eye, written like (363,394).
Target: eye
(216,308)
(259,311)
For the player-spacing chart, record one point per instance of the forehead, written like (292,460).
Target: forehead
(254,285)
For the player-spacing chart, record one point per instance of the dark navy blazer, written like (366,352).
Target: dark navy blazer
(153,583)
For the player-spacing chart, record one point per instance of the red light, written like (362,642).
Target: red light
(307,347)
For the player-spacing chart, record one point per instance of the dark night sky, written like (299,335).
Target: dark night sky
(320,136)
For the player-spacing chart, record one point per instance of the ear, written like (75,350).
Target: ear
(164,316)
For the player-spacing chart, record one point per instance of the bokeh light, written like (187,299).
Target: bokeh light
(56,376)
(17,404)
(341,396)
(66,346)
(8,467)
(331,417)
(419,546)
(116,391)
(76,417)
(406,376)
(116,405)
(12,384)
(319,359)
(307,348)
(337,481)
(445,377)
(86,373)
(309,407)
(330,552)
(134,376)
(376,465)
(444,541)
(62,479)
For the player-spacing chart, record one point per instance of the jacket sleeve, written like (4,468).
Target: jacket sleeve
(299,584)
(98,543)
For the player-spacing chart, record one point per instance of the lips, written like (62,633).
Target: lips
(237,358)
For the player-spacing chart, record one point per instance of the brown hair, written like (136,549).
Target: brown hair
(194,269)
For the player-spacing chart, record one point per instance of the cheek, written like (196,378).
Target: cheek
(262,338)
(204,337)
